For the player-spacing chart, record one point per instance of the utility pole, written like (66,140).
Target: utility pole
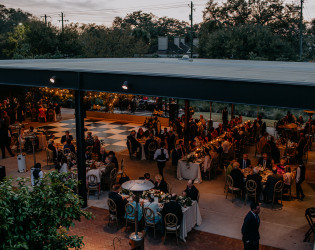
(191,28)
(62,21)
(45,16)
(301,29)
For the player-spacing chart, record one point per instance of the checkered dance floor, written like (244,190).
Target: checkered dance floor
(113,133)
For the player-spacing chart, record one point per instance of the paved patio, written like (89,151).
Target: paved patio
(282,227)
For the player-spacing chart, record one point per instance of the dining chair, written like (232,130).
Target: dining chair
(310,217)
(231,188)
(121,171)
(171,225)
(130,214)
(277,191)
(225,179)
(251,190)
(149,218)
(112,212)
(113,177)
(93,185)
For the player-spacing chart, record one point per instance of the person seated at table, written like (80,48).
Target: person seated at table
(160,184)
(69,145)
(220,129)
(300,120)
(261,144)
(94,171)
(257,178)
(290,117)
(229,168)
(102,155)
(265,161)
(270,184)
(96,146)
(244,162)
(174,208)
(287,179)
(140,134)
(89,141)
(207,161)
(193,146)
(191,191)
(281,167)
(214,133)
(113,159)
(119,201)
(52,147)
(274,150)
(87,155)
(226,145)
(155,208)
(66,137)
(131,212)
(147,143)
(64,165)
(237,176)
(131,140)
(146,177)
(300,147)
(106,170)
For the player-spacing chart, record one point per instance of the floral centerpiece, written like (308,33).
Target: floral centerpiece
(184,201)
(126,192)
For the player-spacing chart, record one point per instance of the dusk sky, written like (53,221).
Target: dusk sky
(103,12)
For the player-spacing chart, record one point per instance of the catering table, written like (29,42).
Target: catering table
(189,171)
(191,218)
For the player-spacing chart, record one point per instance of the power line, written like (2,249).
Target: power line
(62,21)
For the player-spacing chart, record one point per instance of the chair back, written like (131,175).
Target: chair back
(122,165)
(310,216)
(229,180)
(130,211)
(170,220)
(92,180)
(112,206)
(251,186)
(279,186)
(113,174)
(149,216)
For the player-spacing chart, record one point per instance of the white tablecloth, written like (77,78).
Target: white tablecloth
(189,171)
(191,218)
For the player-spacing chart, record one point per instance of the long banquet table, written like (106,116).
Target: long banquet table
(189,171)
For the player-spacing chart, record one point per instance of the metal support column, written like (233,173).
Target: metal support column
(79,123)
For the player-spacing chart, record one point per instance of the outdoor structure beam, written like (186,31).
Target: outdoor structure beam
(79,122)
(279,84)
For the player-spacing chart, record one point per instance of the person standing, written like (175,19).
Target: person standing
(225,115)
(250,228)
(300,177)
(161,156)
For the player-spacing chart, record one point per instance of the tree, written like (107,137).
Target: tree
(282,20)
(39,217)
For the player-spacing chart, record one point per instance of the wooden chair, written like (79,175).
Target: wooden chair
(171,225)
(225,180)
(130,212)
(149,218)
(50,157)
(93,185)
(310,216)
(231,188)
(129,146)
(277,191)
(113,177)
(112,212)
(121,171)
(251,190)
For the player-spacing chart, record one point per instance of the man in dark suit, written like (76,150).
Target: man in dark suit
(174,208)
(119,201)
(66,137)
(250,228)
(171,140)
(257,178)
(265,161)
(109,166)
(191,191)
(133,141)
(176,155)
(244,162)
(270,184)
